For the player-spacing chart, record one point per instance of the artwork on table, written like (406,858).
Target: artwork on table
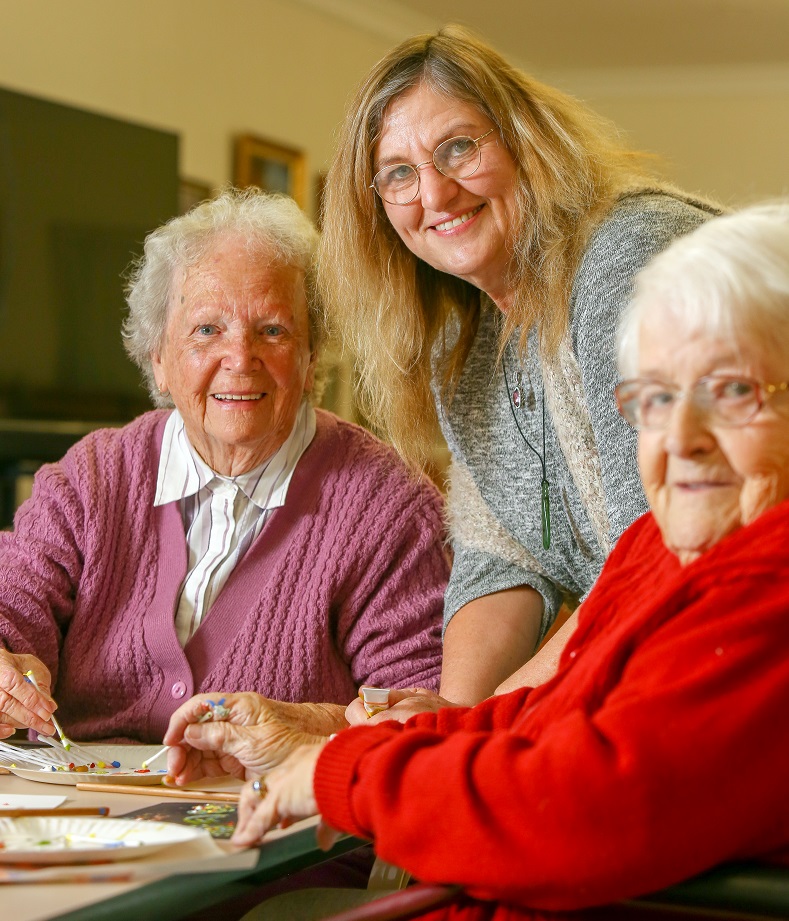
(219,819)
(272,167)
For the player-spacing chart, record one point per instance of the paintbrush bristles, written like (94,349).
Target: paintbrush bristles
(39,757)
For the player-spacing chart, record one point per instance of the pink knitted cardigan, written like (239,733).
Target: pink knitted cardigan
(344,585)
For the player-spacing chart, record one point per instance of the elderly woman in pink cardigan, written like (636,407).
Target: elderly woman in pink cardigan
(236,537)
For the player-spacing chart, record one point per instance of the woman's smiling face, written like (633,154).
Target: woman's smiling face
(702,480)
(461,227)
(236,354)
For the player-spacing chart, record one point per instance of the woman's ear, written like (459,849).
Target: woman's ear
(309,380)
(159,374)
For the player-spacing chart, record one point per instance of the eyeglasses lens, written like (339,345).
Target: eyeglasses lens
(457,158)
(398,184)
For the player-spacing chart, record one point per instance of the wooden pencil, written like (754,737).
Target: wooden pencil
(160,791)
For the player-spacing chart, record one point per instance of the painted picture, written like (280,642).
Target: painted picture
(269,166)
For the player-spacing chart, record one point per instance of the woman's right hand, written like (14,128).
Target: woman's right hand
(21,705)
(255,736)
(403,704)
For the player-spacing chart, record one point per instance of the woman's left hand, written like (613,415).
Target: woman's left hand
(245,736)
(286,796)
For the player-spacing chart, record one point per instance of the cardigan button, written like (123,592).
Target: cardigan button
(178,690)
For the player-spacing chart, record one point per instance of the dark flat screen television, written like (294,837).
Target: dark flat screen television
(78,193)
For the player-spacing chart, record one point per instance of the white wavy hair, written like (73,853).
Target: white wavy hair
(274,227)
(728,278)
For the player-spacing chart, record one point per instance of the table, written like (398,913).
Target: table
(170,897)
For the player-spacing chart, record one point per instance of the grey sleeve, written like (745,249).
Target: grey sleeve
(487,559)
(603,285)
(485,574)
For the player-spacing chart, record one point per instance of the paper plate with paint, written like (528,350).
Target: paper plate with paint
(86,840)
(130,759)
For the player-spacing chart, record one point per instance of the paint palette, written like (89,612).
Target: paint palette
(85,840)
(130,758)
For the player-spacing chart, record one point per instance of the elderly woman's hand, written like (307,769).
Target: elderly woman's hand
(243,735)
(403,704)
(285,796)
(21,705)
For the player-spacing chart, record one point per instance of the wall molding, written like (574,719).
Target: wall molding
(687,81)
(392,23)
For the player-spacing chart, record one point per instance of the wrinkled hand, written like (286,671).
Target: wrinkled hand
(21,705)
(255,737)
(289,797)
(403,704)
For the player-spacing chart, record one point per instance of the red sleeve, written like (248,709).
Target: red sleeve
(680,767)
(336,771)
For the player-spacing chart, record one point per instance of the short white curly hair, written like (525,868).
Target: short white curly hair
(270,223)
(728,278)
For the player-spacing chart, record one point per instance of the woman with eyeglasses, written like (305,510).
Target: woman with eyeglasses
(658,750)
(481,234)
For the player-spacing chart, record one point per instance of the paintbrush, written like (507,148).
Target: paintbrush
(149,761)
(74,751)
(160,791)
(34,813)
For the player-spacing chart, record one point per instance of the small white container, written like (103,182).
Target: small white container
(375,700)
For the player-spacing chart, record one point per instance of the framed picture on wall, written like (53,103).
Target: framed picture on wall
(269,166)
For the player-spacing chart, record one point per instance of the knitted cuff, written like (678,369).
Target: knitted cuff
(338,772)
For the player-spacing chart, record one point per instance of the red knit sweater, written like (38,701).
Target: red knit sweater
(658,750)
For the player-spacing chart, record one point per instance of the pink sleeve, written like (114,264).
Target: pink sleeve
(41,565)
(390,628)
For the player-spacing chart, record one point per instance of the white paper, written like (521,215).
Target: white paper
(30,801)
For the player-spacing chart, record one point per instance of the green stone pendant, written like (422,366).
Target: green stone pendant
(546,516)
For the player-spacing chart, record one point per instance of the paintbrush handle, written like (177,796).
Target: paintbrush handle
(24,813)
(149,761)
(160,791)
(66,742)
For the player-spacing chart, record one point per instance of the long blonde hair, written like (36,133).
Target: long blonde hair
(390,308)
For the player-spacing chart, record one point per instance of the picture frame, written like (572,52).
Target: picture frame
(270,166)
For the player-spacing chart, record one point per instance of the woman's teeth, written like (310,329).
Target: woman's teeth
(448,225)
(237,396)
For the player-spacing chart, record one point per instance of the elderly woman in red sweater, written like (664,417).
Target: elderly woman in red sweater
(658,749)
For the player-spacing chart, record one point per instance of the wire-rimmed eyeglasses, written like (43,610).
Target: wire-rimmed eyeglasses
(457,158)
(726,401)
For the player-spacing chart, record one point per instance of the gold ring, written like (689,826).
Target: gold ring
(259,786)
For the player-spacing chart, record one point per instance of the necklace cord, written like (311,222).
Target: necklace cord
(545,501)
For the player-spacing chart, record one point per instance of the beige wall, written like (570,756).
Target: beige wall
(206,69)
(723,132)
(209,69)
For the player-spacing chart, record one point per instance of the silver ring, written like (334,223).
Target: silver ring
(259,786)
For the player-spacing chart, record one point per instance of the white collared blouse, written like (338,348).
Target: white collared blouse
(222,515)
